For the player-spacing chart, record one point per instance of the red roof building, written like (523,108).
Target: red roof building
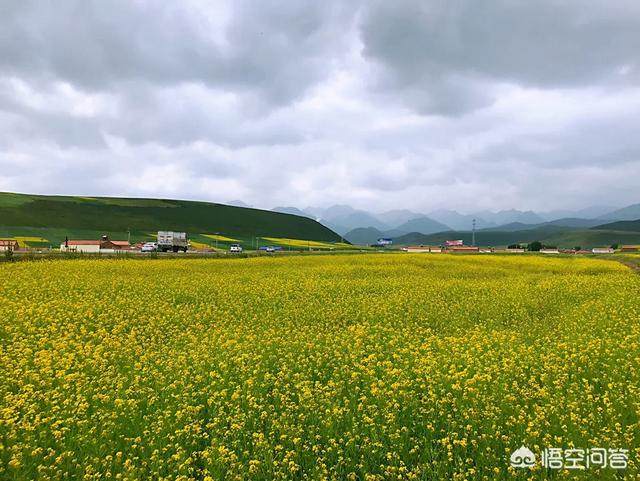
(9,244)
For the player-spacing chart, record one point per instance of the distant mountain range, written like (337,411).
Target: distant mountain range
(631,212)
(344,219)
(595,225)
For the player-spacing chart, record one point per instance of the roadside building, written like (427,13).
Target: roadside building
(462,249)
(415,249)
(9,244)
(629,248)
(110,246)
(515,250)
(95,246)
(602,250)
(88,246)
(552,251)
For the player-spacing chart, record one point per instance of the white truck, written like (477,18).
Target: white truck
(172,241)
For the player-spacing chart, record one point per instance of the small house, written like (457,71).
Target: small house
(107,245)
(462,249)
(9,245)
(88,246)
(602,250)
(415,249)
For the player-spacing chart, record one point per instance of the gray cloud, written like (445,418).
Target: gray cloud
(274,49)
(443,55)
(410,104)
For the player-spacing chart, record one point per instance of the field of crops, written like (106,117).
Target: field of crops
(307,244)
(346,367)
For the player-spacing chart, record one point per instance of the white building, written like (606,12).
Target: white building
(602,250)
(422,249)
(89,246)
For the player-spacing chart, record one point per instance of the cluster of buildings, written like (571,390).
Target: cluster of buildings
(104,245)
(457,246)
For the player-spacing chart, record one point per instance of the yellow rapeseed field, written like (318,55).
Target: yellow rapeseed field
(308,244)
(347,367)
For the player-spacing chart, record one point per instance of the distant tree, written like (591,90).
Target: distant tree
(614,246)
(535,246)
(514,246)
(8,254)
(577,248)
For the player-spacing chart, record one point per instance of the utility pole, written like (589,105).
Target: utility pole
(473,233)
(129,235)
(217,234)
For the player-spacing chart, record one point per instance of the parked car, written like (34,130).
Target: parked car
(235,248)
(149,247)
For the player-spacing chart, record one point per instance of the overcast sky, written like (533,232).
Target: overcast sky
(379,104)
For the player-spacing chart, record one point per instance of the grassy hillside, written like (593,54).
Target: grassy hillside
(594,238)
(551,235)
(626,225)
(483,237)
(54,217)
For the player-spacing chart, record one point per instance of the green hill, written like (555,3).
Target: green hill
(550,235)
(626,225)
(55,217)
(594,238)
(483,237)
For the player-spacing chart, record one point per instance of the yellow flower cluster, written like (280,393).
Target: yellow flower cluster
(308,244)
(353,367)
(220,237)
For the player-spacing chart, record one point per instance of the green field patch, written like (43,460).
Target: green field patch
(8,199)
(69,215)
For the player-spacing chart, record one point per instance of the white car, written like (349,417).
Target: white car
(149,247)
(235,248)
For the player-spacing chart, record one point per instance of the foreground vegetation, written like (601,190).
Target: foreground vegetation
(362,367)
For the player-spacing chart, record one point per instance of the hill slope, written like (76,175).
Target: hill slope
(364,235)
(626,225)
(58,216)
(631,212)
(424,225)
(551,235)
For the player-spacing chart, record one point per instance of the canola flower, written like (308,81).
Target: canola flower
(25,241)
(357,367)
(305,244)
(220,237)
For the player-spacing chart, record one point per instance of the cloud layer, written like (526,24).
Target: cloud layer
(407,104)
